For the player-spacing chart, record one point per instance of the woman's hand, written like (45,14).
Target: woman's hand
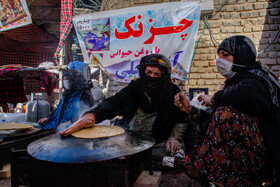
(87,120)
(205,99)
(62,125)
(182,103)
(43,121)
(173,145)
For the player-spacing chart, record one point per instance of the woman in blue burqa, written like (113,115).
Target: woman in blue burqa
(76,99)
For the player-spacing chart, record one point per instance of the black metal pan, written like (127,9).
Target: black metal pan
(55,148)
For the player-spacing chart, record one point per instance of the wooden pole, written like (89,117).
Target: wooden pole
(61,63)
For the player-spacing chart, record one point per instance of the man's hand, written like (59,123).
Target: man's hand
(43,121)
(206,100)
(173,145)
(87,120)
(182,103)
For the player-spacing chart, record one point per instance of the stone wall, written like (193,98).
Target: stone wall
(257,19)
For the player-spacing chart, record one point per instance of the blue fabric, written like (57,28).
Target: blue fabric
(71,111)
(78,65)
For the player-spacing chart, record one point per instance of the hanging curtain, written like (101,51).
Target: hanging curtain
(65,23)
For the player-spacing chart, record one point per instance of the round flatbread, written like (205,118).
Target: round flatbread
(14,126)
(99,132)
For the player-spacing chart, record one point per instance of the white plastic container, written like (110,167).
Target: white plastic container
(1,114)
(19,108)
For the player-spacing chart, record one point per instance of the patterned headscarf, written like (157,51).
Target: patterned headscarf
(156,60)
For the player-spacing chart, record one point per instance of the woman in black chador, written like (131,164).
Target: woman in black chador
(242,141)
(146,106)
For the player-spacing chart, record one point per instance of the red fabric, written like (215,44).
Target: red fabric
(28,46)
(49,81)
(8,72)
(28,38)
(65,23)
(5,107)
(12,91)
(44,78)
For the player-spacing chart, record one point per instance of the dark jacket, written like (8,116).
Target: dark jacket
(250,93)
(247,93)
(126,102)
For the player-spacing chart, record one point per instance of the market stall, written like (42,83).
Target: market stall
(12,83)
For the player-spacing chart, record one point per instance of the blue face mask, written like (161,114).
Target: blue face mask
(224,68)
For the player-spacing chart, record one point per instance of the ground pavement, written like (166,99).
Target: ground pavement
(169,179)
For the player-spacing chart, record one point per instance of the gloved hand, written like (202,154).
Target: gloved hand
(173,145)
(87,120)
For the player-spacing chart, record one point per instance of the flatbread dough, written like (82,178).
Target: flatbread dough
(100,131)
(14,126)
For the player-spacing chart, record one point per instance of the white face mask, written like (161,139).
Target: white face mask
(66,84)
(224,68)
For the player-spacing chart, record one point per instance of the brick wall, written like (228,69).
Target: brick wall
(257,19)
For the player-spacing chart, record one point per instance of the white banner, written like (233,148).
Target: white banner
(13,15)
(117,39)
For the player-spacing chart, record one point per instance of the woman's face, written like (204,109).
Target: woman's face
(66,83)
(225,55)
(153,71)
(225,64)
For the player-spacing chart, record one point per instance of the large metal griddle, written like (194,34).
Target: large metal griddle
(55,148)
(12,140)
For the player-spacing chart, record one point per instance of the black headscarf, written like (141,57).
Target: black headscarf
(241,48)
(162,95)
(244,52)
(77,81)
